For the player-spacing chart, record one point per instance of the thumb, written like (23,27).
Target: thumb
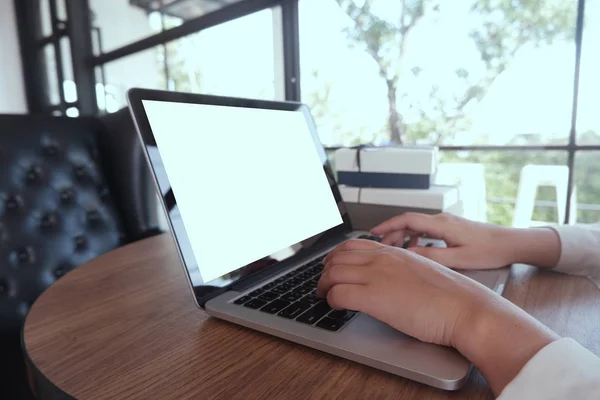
(449,257)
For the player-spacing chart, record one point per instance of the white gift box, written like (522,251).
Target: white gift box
(387,167)
(437,197)
(368,207)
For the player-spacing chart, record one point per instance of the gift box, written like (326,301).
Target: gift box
(386,167)
(368,207)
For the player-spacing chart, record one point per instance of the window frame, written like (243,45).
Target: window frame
(287,39)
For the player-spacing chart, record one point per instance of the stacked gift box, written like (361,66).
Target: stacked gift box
(378,183)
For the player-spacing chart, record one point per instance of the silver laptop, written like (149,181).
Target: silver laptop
(253,207)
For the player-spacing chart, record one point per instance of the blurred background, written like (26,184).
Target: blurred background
(497,84)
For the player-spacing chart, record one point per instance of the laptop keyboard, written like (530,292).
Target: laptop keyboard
(293,296)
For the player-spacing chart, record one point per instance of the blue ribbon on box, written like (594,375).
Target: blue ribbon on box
(384,180)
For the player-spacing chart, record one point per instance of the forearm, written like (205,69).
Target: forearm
(500,339)
(539,247)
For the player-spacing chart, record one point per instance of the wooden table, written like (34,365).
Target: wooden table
(124,326)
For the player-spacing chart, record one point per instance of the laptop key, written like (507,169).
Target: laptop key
(269,286)
(291,297)
(305,275)
(268,296)
(279,290)
(242,300)
(256,293)
(342,315)
(315,280)
(296,281)
(316,270)
(310,299)
(294,310)
(314,314)
(330,324)
(303,290)
(255,303)
(275,306)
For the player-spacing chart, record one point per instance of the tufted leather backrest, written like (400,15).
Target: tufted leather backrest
(70,190)
(56,208)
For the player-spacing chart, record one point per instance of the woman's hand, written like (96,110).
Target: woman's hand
(433,304)
(472,245)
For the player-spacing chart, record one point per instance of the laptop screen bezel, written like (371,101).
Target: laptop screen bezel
(136,97)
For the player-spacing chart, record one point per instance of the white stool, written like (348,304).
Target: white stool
(472,189)
(534,176)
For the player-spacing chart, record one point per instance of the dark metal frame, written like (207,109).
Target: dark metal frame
(78,31)
(291,49)
(85,62)
(195,25)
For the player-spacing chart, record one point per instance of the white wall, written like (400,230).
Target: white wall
(12,87)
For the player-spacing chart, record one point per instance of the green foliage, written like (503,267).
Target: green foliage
(503,28)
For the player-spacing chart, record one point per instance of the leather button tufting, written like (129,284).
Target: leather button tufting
(14,202)
(93,216)
(59,272)
(67,195)
(103,192)
(25,255)
(34,174)
(49,220)
(80,242)
(50,148)
(80,171)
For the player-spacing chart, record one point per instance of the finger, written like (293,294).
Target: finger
(353,244)
(414,240)
(348,297)
(450,258)
(341,274)
(351,257)
(394,238)
(420,223)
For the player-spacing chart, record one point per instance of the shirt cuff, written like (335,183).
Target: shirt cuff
(580,250)
(562,370)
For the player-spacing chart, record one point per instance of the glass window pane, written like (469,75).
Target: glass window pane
(587,186)
(236,58)
(120,22)
(491,179)
(46,18)
(144,69)
(455,73)
(52,77)
(588,109)
(123,22)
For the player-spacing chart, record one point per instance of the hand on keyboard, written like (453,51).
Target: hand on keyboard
(434,304)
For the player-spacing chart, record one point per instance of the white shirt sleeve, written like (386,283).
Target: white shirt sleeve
(561,370)
(580,250)
(564,369)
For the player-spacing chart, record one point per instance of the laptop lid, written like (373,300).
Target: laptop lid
(245,184)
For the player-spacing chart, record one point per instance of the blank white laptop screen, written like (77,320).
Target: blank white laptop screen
(248,182)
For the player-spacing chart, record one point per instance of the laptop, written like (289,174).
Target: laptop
(253,207)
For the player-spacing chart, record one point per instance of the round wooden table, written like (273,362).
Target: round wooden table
(124,326)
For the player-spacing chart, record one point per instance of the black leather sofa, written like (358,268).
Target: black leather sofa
(71,189)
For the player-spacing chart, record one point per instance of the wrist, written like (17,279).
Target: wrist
(539,247)
(499,339)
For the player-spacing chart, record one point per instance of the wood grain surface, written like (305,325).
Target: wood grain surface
(124,326)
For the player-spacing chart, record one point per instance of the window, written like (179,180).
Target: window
(588,108)
(587,186)
(502,173)
(463,73)
(144,69)
(236,58)
(121,22)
